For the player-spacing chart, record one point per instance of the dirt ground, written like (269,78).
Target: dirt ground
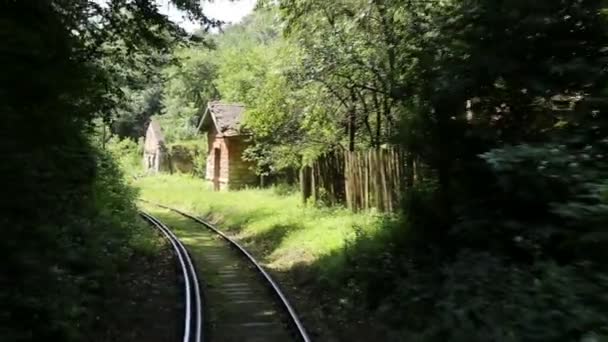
(145,304)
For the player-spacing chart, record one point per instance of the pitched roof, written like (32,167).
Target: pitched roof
(227,117)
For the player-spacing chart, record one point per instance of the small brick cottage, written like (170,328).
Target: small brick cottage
(226,143)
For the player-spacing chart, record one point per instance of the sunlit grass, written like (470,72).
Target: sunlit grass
(278,227)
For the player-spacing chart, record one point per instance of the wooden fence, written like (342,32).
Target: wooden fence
(360,180)
(324,179)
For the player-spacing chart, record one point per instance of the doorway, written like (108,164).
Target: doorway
(217,156)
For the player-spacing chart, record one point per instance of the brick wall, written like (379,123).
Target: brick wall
(215,142)
(241,173)
(235,173)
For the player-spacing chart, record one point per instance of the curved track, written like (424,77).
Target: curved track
(296,327)
(193,322)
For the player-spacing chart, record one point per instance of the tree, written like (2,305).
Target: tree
(353,52)
(512,181)
(189,84)
(66,214)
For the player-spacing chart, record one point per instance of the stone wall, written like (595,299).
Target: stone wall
(182,159)
(157,160)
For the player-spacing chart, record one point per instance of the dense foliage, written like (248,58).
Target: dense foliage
(502,103)
(252,63)
(68,218)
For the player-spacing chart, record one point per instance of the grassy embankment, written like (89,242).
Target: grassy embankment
(279,227)
(305,247)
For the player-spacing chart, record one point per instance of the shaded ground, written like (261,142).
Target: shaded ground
(145,304)
(239,306)
(303,247)
(321,312)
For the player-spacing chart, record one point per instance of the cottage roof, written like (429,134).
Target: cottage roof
(227,118)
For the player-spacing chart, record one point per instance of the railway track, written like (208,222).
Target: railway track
(193,315)
(243,302)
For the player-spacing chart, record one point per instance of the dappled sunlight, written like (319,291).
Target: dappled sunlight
(279,229)
(237,300)
(304,247)
(406,170)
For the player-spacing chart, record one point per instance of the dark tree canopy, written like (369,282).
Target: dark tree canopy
(498,105)
(66,213)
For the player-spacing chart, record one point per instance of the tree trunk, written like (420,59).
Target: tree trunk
(305,183)
(352,122)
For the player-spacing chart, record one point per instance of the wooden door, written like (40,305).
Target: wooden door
(217,156)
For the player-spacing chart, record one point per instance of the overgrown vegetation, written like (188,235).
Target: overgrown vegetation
(502,235)
(69,222)
(189,157)
(501,104)
(287,231)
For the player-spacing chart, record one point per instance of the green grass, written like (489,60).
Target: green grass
(279,228)
(317,254)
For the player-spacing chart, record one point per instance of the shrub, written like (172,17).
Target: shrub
(486,298)
(200,164)
(477,296)
(189,157)
(127,153)
(550,201)
(75,246)
(283,189)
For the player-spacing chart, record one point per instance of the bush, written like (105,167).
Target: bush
(189,157)
(200,165)
(485,298)
(283,189)
(182,159)
(127,153)
(477,296)
(75,246)
(526,264)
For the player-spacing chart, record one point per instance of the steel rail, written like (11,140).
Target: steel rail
(192,285)
(295,320)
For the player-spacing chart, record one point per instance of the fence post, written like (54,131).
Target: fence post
(359,179)
(347,180)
